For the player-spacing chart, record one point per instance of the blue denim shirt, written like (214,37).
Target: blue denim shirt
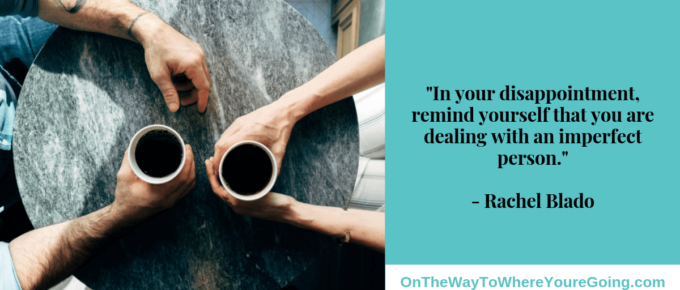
(9,88)
(8,107)
(20,39)
(8,100)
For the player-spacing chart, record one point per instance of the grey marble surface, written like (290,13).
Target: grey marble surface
(87,94)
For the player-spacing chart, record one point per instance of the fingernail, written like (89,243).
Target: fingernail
(173,107)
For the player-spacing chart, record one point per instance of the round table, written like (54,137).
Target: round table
(87,94)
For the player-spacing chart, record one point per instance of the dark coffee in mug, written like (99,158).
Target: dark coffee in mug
(158,153)
(247,169)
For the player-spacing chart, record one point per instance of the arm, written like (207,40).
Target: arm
(366,228)
(167,52)
(362,69)
(45,256)
(113,17)
(271,125)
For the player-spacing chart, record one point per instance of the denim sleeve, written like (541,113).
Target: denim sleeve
(7,112)
(25,8)
(8,278)
(21,39)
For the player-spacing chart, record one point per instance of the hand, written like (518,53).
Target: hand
(139,200)
(168,53)
(270,125)
(273,206)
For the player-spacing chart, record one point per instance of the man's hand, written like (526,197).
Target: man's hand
(168,54)
(45,256)
(139,200)
(270,125)
(273,206)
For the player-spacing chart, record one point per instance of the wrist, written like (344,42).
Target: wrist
(129,214)
(294,213)
(297,104)
(146,27)
(115,215)
(322,219)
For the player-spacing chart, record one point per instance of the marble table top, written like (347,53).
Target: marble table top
(87,94)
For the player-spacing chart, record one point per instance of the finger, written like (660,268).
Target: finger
(126,162)
(192,177)
(210,171)
(193,170)
(188,175)
(279,150)
(208,167)
(164,82)
(217,171)
(189,163)
(125,168)
(216,164)
(207,76)
(207,72)
(190,98)
(279,161)
(212,177)
(197,75)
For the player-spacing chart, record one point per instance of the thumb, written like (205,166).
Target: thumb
(279,151)
(126,162)
(125,168)
(164,82)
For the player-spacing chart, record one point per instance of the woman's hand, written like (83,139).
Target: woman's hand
(270,125)
(273,206)
(367,228)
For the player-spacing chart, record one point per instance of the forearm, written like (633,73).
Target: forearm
(45,256)
(366,228)
(362,69)
(113,17)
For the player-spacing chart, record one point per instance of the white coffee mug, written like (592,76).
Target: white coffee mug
(272,179)
(133,160)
